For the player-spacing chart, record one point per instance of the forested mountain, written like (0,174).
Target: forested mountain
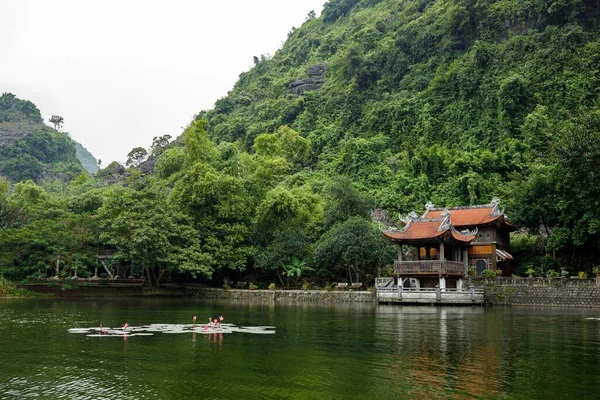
(375,105)
(31,150)
(87,159)
(449,101)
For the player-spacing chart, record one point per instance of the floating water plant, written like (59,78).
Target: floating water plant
(148,330)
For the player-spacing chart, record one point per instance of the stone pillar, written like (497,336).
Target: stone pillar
(442,283)
(441,252)
(459,284)
(466,260)
(418,284)
(399,253)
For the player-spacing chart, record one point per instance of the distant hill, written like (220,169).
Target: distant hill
(87,159)
(31,150)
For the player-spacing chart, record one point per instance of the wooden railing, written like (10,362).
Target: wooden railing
(534,281)
(429,267)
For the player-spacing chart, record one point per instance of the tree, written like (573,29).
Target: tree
(136,156)
(151,235)
(354,246)
(159,143)
(285,244)
(220,207)
(12,214)
(345,201)
(57,121)
(284,209)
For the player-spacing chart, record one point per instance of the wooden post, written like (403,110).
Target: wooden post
(441,251)
(400,252)
(493,256)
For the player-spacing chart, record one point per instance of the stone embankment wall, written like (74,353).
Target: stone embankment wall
(543,292)
(551,296)
(104,291)
(119,290)
(318,296)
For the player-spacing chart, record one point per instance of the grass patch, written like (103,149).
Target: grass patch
(9,289)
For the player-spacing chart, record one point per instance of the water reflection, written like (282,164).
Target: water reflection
(318,351)
(440,350)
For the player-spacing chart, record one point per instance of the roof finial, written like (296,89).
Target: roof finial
(429,206)
(495,201)
(409,218)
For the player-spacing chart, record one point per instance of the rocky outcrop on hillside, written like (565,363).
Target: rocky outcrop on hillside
(11,131)
(315,80)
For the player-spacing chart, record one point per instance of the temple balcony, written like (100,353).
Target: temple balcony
(429,267)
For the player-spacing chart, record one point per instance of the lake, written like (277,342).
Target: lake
(332,351)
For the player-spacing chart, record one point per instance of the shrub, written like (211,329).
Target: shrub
(10,289)
(488,273)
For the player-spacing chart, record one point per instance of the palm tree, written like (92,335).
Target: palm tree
(295,269)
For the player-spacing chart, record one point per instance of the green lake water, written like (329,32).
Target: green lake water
(347,351)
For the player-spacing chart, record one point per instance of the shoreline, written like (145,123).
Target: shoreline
(495,294)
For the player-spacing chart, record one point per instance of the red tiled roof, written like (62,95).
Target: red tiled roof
(418,230)
(466,216)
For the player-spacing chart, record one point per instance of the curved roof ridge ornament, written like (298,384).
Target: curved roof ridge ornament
(446,224)
(496,211)
(428,207)
(445,212)
(409,218)
(467,232)
(389,229)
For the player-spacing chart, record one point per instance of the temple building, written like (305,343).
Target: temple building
(439,247)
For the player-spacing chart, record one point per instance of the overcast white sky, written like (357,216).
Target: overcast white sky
(122,72)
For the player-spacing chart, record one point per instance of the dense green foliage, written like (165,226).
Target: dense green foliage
(12,109)
(449,101)
(28,148)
